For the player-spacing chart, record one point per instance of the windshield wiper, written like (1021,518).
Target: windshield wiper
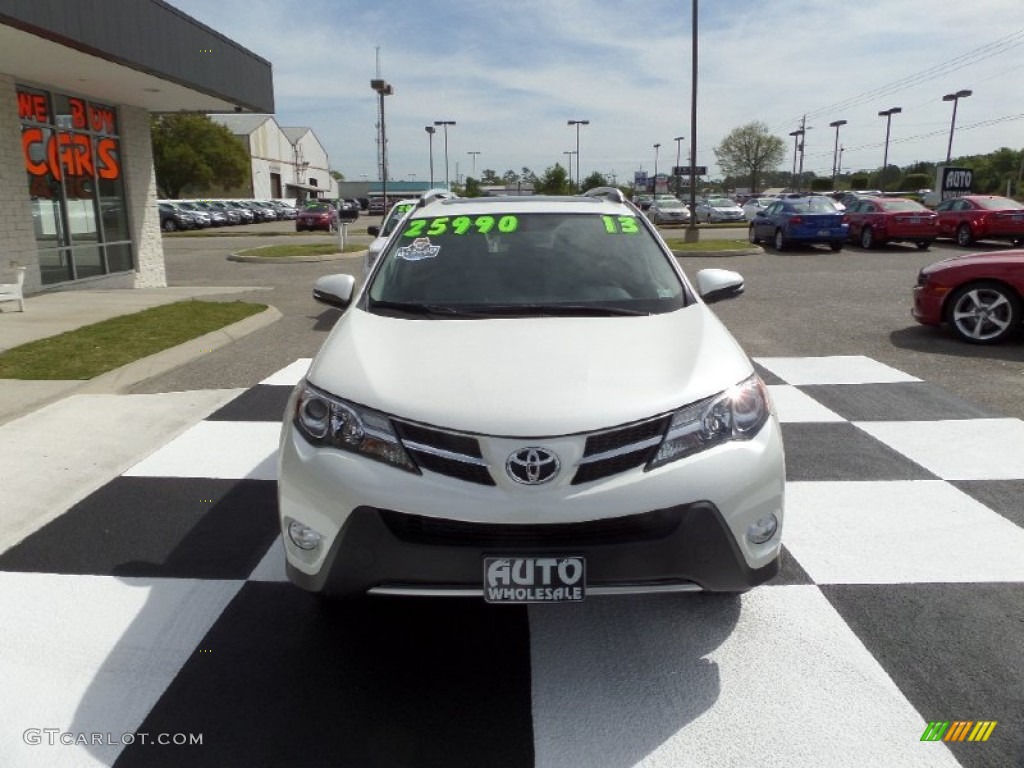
(415,308)
(550,310)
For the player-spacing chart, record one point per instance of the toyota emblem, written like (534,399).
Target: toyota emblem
(532,466)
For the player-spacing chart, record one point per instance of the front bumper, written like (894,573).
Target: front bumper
(681,526)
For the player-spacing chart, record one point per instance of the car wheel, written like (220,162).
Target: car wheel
(984,312)
(867,238)
(780,240)
(964,236)
(923,245)
(836,246)
(170,226)
(753,236)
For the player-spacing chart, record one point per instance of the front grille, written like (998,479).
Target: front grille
(628,447)
(432,531)
(446,453)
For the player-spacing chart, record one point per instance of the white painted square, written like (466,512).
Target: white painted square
(766,679)
(229,450)
(290,375)
(93,654)
(271,567)
(839,369)
(898,532)
(794,406)
(965,449)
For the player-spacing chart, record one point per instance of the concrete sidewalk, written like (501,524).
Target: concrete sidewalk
(50,314)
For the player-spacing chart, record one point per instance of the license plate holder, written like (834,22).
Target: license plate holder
(517,579)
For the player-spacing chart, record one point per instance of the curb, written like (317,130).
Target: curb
(752,251)
(295,259)
(119,380)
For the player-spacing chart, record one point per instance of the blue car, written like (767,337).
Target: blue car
(812,219)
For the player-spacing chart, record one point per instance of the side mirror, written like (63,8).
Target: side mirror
(761,213)
(715,285)
(374,231)
(334,290)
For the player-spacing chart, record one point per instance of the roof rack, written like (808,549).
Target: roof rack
(431,195)
(609,193)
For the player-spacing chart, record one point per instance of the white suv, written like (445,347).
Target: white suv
(528,401)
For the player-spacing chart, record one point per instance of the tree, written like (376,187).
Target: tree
(554,182)
(337,175)
(749,151)
(190,149)
(594,180)
(490,178)
(472,188)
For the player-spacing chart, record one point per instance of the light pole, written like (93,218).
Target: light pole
(675,170)
(383,88)
(835,152)
(578,123)
(474,153)
(656,148)
(445,124)
(431,130)
(887,114)
(569,153)
(796,149)
(955,98)
(692,228)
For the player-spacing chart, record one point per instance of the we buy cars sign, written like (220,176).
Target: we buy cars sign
(953,182)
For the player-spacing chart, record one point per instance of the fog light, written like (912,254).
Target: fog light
(763,529)
(303,536)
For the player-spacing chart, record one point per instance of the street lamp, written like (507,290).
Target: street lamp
(474,153)
(954,97)
(578,123)
(445,124)
(569,153)
(431,130)
(887,114)
(383,88)
(835,152)
(675,170)
(656,147)
(796,149)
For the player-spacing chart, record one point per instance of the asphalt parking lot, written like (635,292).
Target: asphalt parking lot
(803,302)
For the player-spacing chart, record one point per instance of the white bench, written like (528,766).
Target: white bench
(13,291)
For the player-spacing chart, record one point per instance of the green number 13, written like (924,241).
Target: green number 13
(626,225)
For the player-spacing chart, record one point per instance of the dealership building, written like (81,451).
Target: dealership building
(78,82)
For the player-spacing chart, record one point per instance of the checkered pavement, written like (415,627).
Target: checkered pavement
(158,605)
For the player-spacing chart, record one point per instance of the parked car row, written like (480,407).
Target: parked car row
(198,214)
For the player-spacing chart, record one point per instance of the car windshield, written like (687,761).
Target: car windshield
(999,204)
(813,205)
(670,204)
(318,208)
(527,264)
(721,202)
(900,206)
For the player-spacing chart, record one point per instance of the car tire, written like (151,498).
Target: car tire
(836,246)
(1000,305)
(923,245)
(754,239)
(964,236)
(170,226)
(867,239)
(779,241)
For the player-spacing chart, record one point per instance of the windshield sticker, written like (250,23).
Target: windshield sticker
(625,225)
(460,225)
(419,250)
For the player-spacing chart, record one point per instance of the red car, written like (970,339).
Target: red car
(317,216)
(981,217)
(978,294)
(878,220)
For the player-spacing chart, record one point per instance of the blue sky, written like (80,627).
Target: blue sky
(511,74)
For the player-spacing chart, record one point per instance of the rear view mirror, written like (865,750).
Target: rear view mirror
(718,284)
(373,230)
(334,290)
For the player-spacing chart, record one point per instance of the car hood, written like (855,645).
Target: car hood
(529,377)
(988,258)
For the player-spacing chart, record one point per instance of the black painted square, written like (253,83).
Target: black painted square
(840,451)
(908,401)
(261,403)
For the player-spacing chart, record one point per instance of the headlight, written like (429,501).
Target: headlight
(326,420)
(736,414)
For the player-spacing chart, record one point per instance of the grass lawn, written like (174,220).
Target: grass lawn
(101,347)
(709,245)
(306,249)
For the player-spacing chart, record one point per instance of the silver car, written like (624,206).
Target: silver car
(714,210)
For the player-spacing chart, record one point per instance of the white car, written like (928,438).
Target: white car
(755,204)
(715,210)
(382,233)
(528,401)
